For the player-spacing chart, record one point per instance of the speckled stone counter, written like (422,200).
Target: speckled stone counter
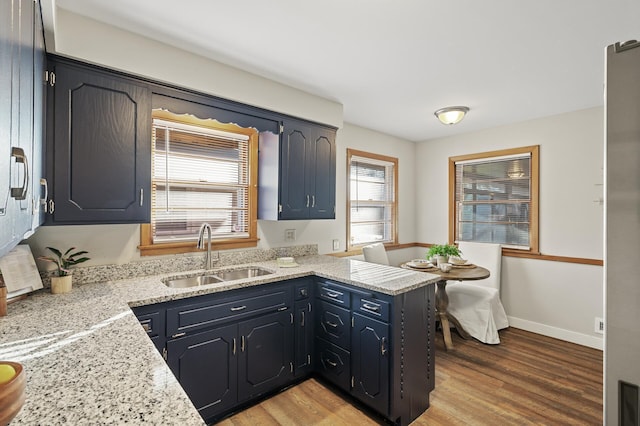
(88,361)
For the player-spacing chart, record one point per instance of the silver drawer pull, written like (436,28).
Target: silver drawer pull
(238,308)
(332,324)
(333,294)
(374,308)
(332,363)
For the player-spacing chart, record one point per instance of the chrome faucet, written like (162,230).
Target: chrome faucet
(207,227)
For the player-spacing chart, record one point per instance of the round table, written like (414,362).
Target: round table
(461,273)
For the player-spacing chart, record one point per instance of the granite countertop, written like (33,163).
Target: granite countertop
(88,361)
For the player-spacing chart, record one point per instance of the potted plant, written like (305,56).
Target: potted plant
(440,253)
(61,283)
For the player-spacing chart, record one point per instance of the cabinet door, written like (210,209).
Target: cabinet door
(206,366)
(7,46)
(370,362)
(303,338)
(294,197)
(23,110)
(322,170)
(39,90)
(266,354)
(101,148)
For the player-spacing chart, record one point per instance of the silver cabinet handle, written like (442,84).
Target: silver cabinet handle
(141,196)
(238,308)
(331,324)
(313,201)
(20,193)
(43,201)
(302,320)
(52,206)
(383,346)
(369,307)
(242,343)
(234,346)
(307,200)
(331,363)
(333,294)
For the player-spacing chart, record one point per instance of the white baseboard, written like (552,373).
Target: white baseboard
(558,333)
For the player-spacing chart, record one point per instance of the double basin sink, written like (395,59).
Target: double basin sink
(217,277)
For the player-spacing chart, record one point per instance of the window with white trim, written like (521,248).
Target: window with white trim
(495,198)
(201,172)
(372,198)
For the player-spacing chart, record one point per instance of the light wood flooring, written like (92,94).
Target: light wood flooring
(528,379)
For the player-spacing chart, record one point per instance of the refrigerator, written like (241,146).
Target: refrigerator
(622,234)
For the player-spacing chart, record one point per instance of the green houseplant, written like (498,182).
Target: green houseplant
(61,283)
(442,252)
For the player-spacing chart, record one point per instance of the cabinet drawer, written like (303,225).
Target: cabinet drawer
(333,363)
(370,306)
(333,324)
(327,290)
(185,318)
(152,320)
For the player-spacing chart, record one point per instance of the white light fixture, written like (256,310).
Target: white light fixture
(451,115)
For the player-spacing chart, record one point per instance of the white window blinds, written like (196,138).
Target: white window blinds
(199,175)
(371,200)
(493,200)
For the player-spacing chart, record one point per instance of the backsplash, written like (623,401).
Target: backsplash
(178,263)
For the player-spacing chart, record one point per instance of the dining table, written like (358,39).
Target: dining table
(466,272)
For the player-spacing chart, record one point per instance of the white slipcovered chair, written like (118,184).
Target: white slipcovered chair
(375,253)
(476,304)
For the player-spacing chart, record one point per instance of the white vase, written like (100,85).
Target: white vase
(442,259)
(61,284)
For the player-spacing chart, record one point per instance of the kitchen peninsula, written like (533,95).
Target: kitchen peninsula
(88,360)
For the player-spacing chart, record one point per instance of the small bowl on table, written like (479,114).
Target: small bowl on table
(457,260)
(12,393)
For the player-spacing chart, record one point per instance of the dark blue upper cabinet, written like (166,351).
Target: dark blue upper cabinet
(99,147)
(21,105)
(303,165)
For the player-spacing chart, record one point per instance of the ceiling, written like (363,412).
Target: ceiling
(393,63)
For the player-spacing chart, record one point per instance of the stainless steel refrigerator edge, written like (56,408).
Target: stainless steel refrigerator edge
(622,234)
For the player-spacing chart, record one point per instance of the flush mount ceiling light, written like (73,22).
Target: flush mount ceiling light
(451,115)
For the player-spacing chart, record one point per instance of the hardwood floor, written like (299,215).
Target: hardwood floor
(528,379)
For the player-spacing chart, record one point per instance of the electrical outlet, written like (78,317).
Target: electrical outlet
(599,327)
(289,234)
(336,244)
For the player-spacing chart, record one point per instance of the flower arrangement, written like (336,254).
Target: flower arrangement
(65,261)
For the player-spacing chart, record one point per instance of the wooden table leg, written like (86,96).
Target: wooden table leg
(442,302)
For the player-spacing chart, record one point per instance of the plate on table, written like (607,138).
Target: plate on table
(465,266)
(419,264)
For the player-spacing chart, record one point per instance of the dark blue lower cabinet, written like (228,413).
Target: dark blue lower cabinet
(266,355)
(370,353)
(206,365)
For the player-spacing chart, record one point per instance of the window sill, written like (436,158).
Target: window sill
(190,247)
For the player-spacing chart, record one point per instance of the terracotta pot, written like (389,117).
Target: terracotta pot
(61,284)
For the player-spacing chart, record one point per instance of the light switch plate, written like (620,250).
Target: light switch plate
(336,244)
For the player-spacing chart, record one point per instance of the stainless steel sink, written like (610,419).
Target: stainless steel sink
(217,277)
(238,274)
(192,281)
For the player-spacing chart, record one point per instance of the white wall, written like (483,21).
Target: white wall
(554,298)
